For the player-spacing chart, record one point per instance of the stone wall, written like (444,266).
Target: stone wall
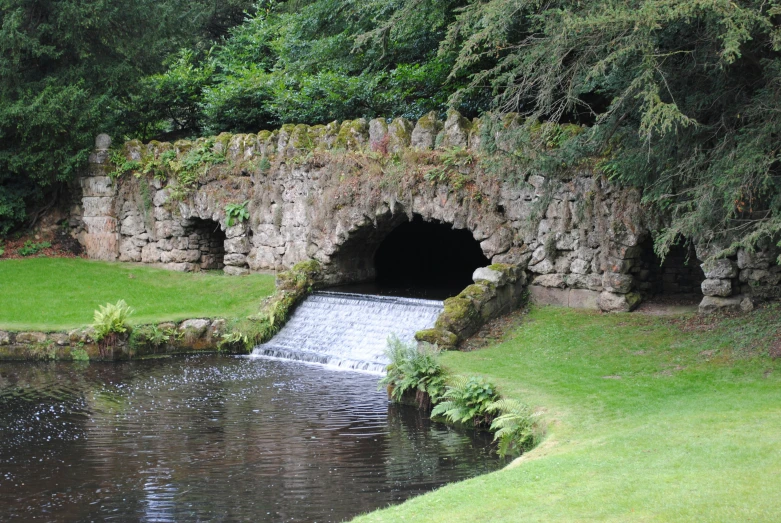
(180,337)
(332,193)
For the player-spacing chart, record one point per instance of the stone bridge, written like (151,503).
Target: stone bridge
(372,199)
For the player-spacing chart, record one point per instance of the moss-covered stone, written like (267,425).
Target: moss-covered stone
(222,142)
(353,135)
(300,139)
(479,292)
(441,338)
(399,135)
(459,317)
(302,275)
(425,132)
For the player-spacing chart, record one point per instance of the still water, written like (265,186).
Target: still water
(209,438)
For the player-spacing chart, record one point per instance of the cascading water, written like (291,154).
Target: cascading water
(349,331)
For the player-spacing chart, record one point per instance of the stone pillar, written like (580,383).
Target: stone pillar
(99,235)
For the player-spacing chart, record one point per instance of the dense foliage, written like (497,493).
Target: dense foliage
(414,371)
(679,98)
(70,69)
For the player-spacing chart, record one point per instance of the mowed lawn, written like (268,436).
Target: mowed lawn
(58,293)
(650,419)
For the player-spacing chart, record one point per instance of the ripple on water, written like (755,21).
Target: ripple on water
(204,438)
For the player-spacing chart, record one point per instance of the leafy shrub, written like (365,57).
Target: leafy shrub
(110,321)
(516,428)
(236,213)
(121,164)
(467,400)
(414,369)
(29,248)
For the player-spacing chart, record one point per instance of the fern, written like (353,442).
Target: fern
(516,428)
(110,321)
(414,368)
(466,400)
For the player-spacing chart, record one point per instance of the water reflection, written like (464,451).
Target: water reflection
(207,438)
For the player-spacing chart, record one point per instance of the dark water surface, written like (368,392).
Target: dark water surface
(214,438)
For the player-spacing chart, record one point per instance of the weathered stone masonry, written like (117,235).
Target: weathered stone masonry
(588,247)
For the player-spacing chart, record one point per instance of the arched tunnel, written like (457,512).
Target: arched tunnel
(413,258)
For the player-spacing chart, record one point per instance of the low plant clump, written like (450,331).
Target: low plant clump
(110,322)
(460,400)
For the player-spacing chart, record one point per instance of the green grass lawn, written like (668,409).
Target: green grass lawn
(59,293)
(648,421)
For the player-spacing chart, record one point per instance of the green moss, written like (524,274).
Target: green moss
(478,292)
(429,122)
(441,338)
(300,138)
(460,316)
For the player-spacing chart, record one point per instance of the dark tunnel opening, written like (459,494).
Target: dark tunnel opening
(427,258)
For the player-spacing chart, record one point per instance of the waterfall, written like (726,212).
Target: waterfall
(349,331)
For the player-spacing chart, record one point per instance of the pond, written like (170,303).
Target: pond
(215,438)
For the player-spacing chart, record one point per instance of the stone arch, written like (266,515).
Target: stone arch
(399,250)
(679,274)
(206,240)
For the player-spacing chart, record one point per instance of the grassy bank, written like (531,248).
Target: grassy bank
(650,419)
(57,294)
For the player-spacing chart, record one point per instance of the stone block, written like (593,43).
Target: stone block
(713,287)
(60,338)
(543,267)
(239,229)
(181,267)
(128,251)
(238,245)
(441,338)
(230,270)
(753,260)
(96,186)
(613,302)
(720,269)
(747,304)
(489,275)
(132,225)
(5,338)
(550,280)
(194,329)
(99,225)
(101,246)
(30,337)
(378,129)
(399,134)
(497,243)
(579,266)
(456,130)
(161,197)
(97,206)
(583,299)
(102,142)
(161,213)
(238,260)
(711,304)
(150,253)
(548,296)
(425,132)
(618,283)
